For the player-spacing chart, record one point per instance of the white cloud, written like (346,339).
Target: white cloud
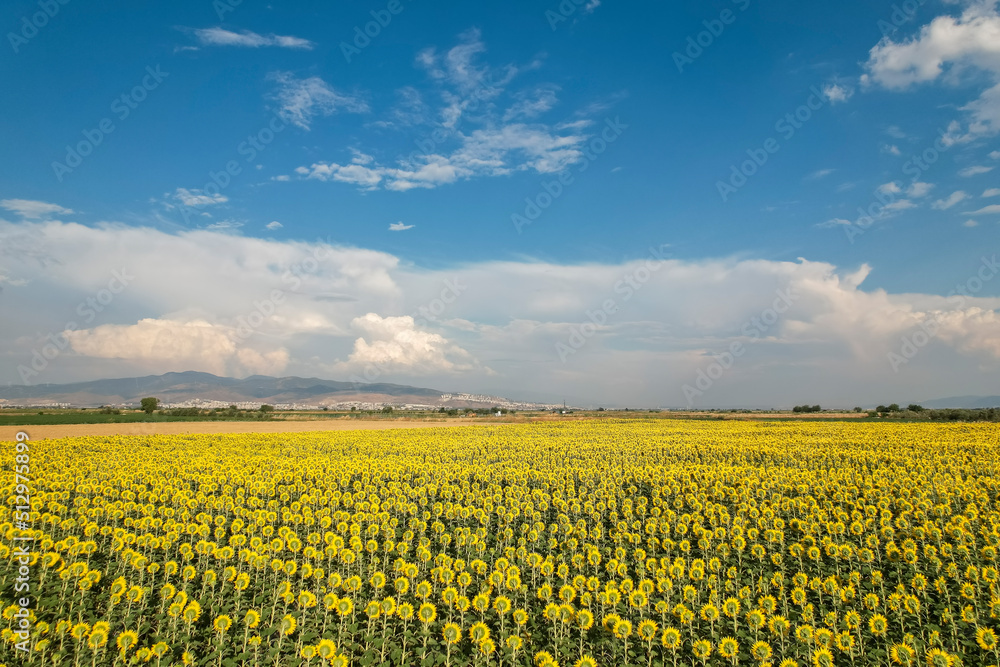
(177,345)
(224,225)
(995,155)
(496,140)
(488,152)
(834,222)
(34,210)
(891,188)
(892,150)
(974,170)
(274,224)
(591,6)
(900,205)
(398,346)
(946,48)
(950,200)
(991,192)
(819,173)
(970,223)
(198,198)
(222,37)
(300,100)
(531,105)
(506,316)
(919,189)
(399,227)
(986,210)
(836,93)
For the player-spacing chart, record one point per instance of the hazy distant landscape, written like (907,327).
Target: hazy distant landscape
(570,333)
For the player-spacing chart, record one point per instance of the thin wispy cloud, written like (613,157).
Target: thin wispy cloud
(499,144)
(301,100)
(818,174)
(197,198)
(992,209)
(33,210)
(399,227)
(248,39)
(974,170)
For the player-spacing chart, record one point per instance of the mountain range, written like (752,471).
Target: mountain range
(195,388)
(967,402)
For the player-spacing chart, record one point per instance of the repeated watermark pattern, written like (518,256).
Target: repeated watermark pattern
(786,126)
(32,23)
(429,143)
(884,199)
(911,344)
(248,149)
(223,7)
(626,288)
(565,9)
(293,276)
(362,37)
(754,329)
(552,190)
(423,315)
(122,107)
(902,14)
(696,44)
(436,307)
(88,309)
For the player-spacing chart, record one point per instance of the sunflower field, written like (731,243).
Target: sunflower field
(618,543)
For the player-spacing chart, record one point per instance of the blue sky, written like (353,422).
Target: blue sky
(536,151)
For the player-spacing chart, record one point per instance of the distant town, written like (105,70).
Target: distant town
(446,401)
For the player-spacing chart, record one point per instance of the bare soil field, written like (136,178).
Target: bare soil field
(171,428)
(778,415)
(40,432)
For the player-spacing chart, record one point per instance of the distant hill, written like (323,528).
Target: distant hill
(967,402)
(192,386)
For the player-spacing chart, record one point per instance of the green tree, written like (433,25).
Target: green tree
(149,404)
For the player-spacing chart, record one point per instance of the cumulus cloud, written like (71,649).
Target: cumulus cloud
(398,346)
(301,100)
(949,201)
(945,49)
(317,307)
(836,93)
(399,227)
(222,37)
(177,345)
